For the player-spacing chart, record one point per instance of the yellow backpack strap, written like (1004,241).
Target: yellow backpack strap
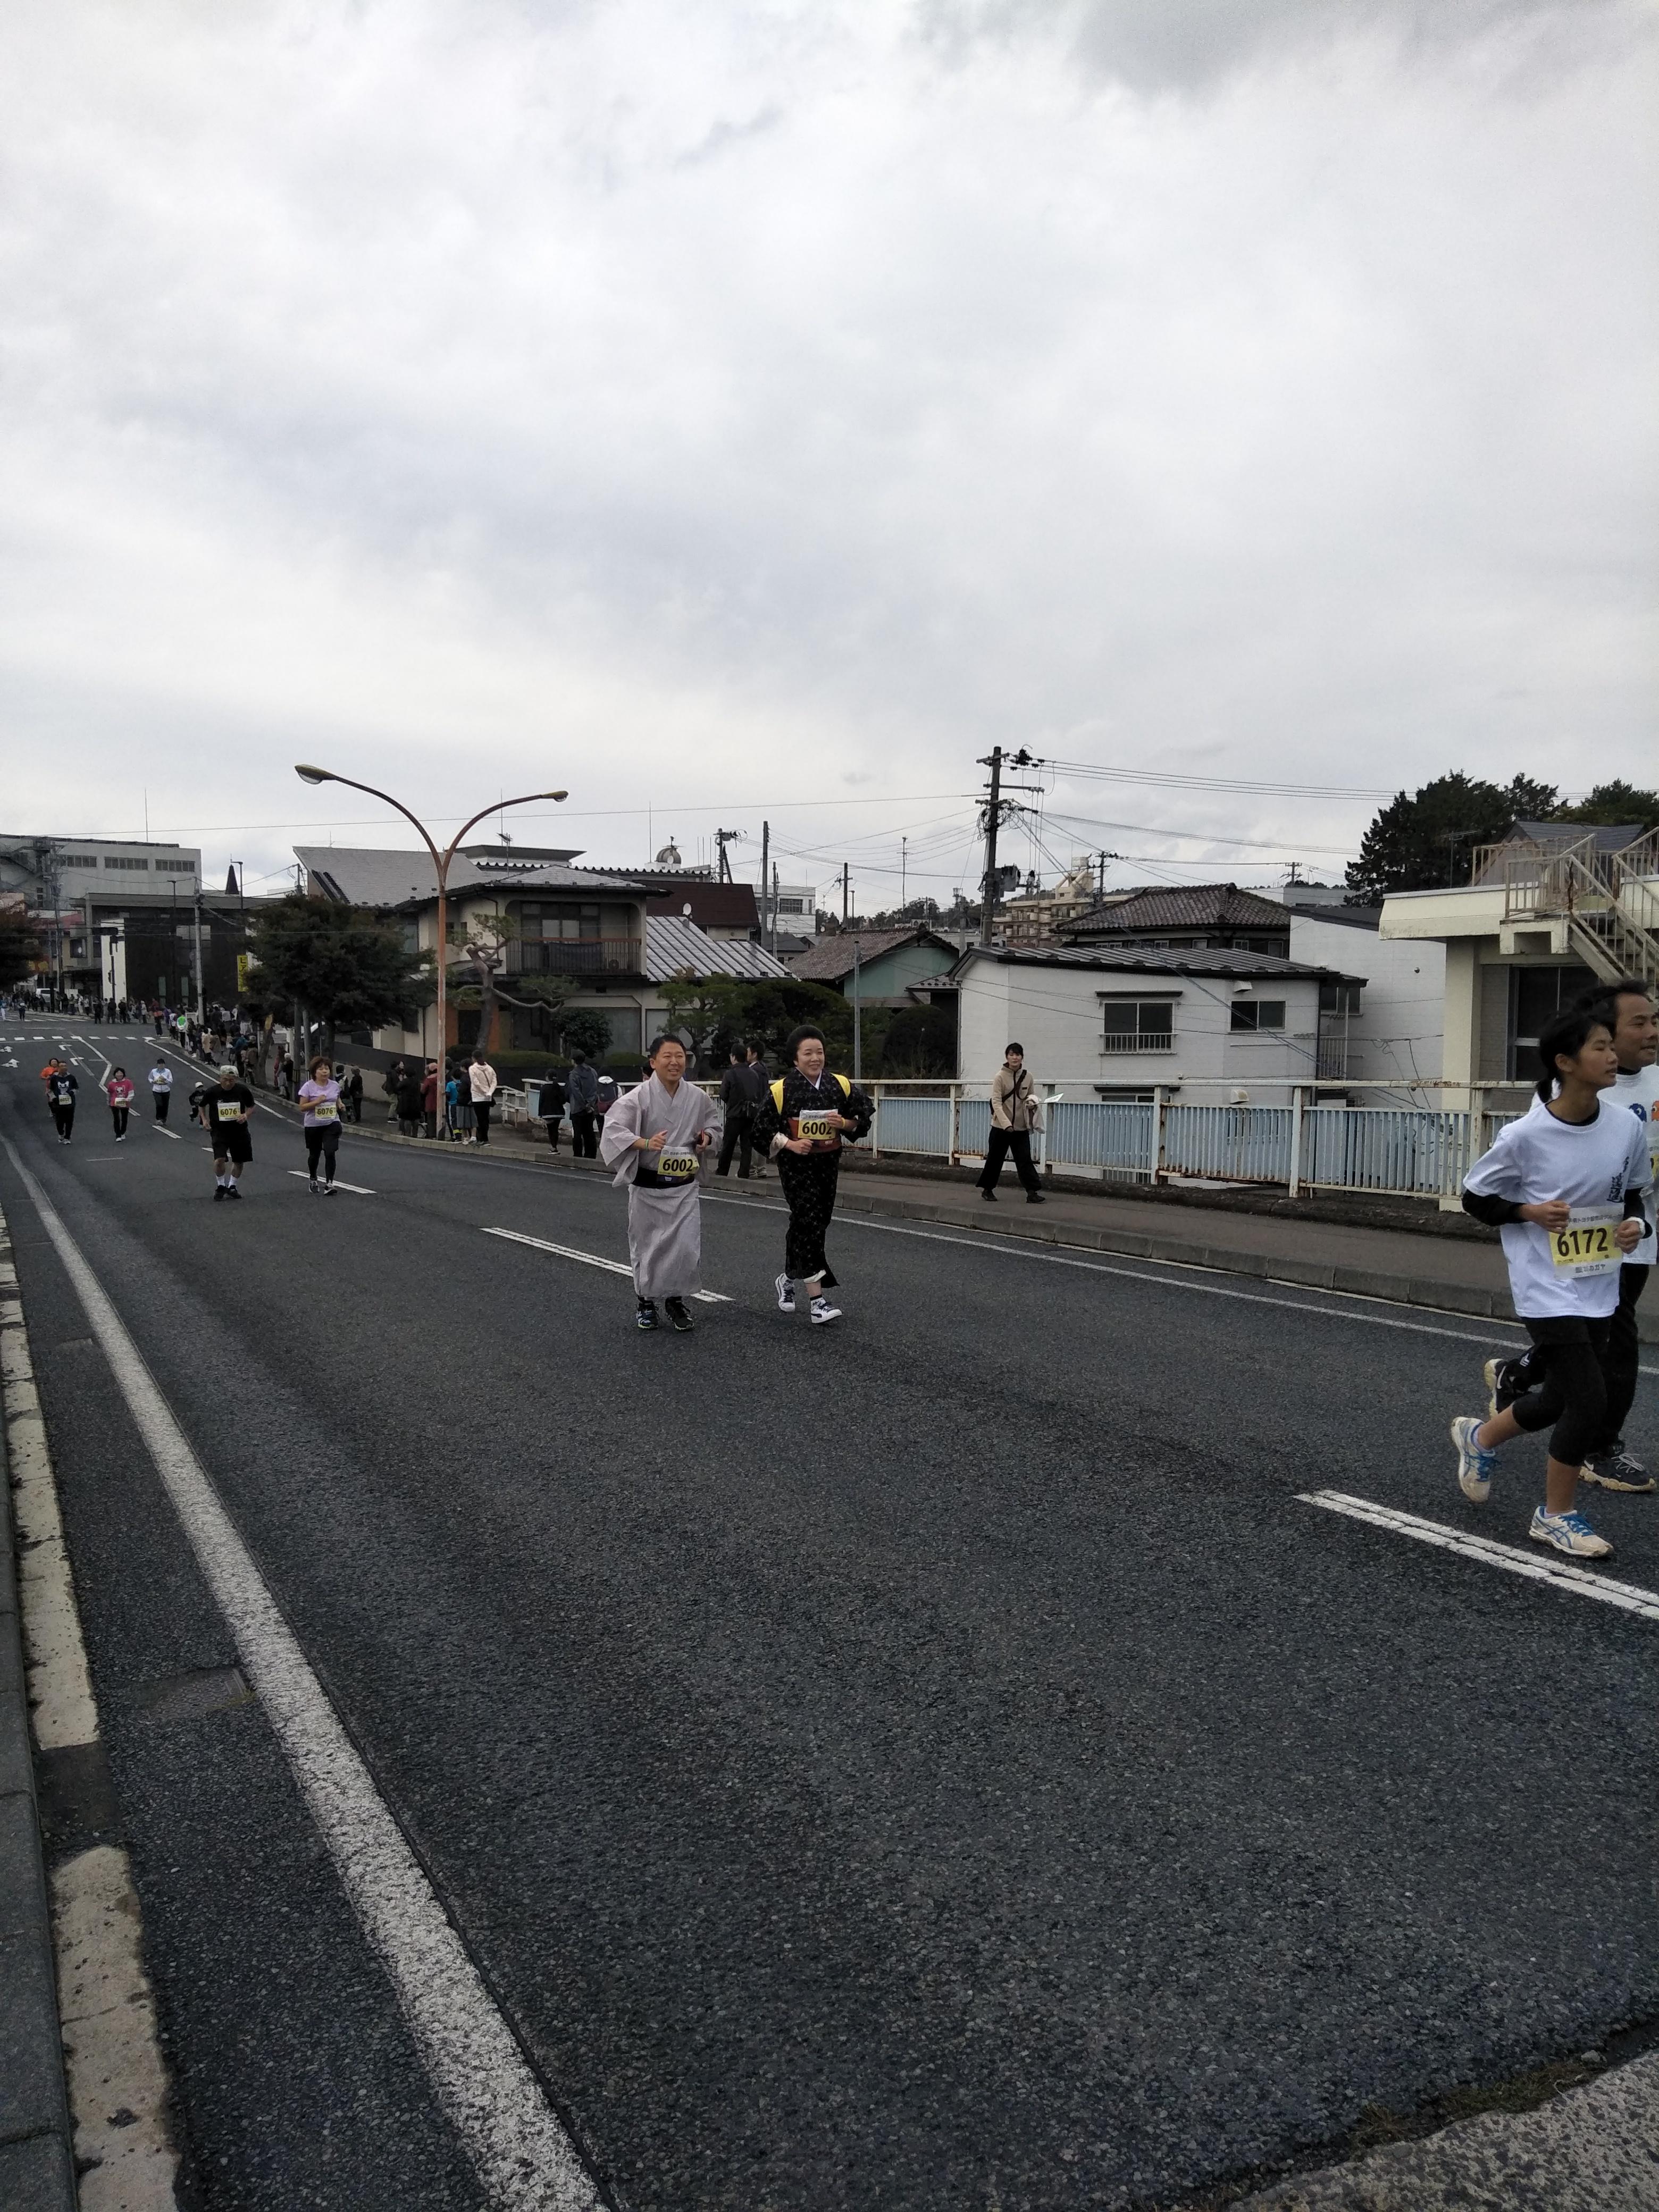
(846,1087)
(777,1095)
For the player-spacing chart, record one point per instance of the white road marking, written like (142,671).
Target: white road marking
(161,1132)
(524,2159)
(593,1259)
(1539,1567)
(356,1187)
(1174,1283)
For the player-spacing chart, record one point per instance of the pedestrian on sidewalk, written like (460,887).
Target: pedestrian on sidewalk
(584,1089)
(655,1137)
(1627,1008)
(553,1096)
(1016,1117)
(801,1123)
(120,1090)
(742,1088)
(408,1099)
(429,1099)
(352,1093)
(160,1079)
(1566,1185)
(484,1083)
(320,1094)
(393,1085)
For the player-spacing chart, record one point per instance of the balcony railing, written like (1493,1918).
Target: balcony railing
(576,956)
(1124,1041)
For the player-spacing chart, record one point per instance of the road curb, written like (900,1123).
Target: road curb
(36,2161)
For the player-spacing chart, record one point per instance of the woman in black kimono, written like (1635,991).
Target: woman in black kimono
(802,1123)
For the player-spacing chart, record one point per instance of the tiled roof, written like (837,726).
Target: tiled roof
(831,960)
(1185,906)
(373,875)
(1144,960)
(672,944)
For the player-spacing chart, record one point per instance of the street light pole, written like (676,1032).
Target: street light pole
(440,862)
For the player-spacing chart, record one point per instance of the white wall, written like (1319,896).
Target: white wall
(1398,1035)
(1055,1013)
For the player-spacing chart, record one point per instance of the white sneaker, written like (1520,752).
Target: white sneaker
(786,1290)
(823,1312)
(1569,1532)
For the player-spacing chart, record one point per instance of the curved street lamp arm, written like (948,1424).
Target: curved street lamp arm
(484,812)
(375,793)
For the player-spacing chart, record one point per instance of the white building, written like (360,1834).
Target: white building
(1232,1027)
(1395,1038)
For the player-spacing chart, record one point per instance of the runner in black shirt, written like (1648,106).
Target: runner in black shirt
(61,1087)
(226,1108)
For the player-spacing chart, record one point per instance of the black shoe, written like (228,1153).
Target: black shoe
(647,1315)
(679,1315)
(989,1196)
(1035,1198)
(231,1191)
(218,1192)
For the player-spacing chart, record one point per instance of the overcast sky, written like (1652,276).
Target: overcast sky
(716,409)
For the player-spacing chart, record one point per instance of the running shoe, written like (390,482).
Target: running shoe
(328,1190)
(315,1186)
(647,1315)
(1569,1532)
(1474,1466)
(823,1311)
(679,1314)
(1618,1469)
(1502,1381)
(786,1290)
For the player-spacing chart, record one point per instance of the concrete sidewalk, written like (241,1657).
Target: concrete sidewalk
(1458,1274)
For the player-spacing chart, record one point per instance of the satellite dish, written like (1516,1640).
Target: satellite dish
(686,909)
(670,855)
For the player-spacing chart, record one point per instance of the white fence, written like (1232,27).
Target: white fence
(1419,1152)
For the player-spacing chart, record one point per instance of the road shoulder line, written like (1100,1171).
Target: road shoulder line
(82,1990)
(524,2159)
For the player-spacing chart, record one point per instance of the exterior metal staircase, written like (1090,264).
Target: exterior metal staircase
(1608,902)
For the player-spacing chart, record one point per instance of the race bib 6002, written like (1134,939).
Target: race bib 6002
(821,1128)
(676,1167)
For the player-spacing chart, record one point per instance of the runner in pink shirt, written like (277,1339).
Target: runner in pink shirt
(120,1090)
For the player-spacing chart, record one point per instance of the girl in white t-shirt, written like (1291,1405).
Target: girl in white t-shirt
(1564,1184)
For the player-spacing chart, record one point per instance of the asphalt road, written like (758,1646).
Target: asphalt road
(936,1761)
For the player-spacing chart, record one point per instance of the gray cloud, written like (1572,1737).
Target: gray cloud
(748,403)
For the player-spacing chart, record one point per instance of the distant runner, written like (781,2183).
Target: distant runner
(1628,1004)
(119,1090)
(225,1108)
(658,1132)
(61,1087)
(160,1079)
(801,1122)
(320,1094)
(1566,1184)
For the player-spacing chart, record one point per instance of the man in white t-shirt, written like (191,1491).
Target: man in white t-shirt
(1634,1023)
(484,1081)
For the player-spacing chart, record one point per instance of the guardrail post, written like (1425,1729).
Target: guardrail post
(955,1122)
(875,1123)
(1160,1108)
(1298,1106)
(1049,1091)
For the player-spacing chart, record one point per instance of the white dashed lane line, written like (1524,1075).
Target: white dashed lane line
(1538,1567)
(356,1187)
(594,1260)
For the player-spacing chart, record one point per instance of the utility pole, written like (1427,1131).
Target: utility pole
(766,878)
(994,806)
(858,1017)
(723,838)
(201,1003)
(845,879)
(774,906)
(904,858)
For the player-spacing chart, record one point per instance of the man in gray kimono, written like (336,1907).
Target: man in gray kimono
(659,1132)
